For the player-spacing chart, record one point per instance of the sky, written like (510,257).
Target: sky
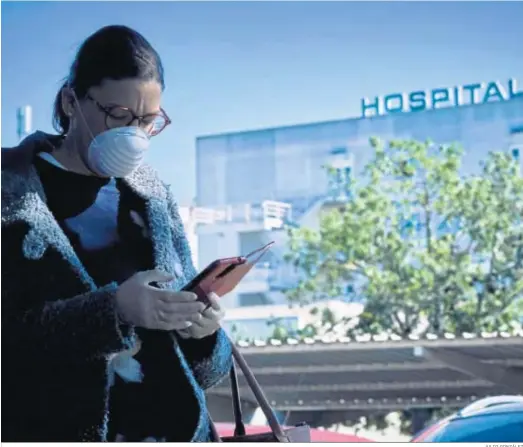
(233,66)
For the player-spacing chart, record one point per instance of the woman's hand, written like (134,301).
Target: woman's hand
(140,304)
(209,323)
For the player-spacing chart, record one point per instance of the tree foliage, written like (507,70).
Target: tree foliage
(427,249)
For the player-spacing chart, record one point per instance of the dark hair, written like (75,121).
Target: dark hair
(113,52)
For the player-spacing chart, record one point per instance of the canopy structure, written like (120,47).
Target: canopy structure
(328,381)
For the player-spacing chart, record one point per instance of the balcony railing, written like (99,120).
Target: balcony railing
(271,213)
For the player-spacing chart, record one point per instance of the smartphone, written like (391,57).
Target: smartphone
(223,275)
(202,283)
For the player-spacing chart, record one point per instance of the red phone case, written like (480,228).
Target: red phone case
(223,275)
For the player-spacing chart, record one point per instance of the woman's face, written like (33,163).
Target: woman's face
(111,104)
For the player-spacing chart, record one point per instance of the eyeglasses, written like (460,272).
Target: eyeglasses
(116,116)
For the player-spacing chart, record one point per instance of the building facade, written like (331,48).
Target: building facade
(285,166)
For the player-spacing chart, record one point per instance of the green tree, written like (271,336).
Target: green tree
(429,250)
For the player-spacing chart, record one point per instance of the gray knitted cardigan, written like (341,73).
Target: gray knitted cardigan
(59,330)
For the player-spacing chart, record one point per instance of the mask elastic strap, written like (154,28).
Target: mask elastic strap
(80,110)
(83,157)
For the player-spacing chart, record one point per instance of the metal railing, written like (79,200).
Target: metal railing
(271,213)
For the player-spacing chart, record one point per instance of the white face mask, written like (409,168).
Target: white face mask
(118,152)
(115,152)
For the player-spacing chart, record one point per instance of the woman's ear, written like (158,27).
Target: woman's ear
(68,102)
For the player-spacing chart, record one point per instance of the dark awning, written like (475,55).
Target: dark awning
(358,375)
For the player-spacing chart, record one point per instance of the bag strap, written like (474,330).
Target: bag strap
(239,426)
(275,426)
(264,404)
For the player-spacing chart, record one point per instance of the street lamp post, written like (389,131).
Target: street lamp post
(24,121)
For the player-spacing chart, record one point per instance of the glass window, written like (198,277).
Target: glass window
(250,176)
(486,112)
(262,140)
(253,299)
(512,109)
(339,151)
(211,160)
(293,169)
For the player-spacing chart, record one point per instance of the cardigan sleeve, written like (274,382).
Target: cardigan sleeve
(80,327)
(210,358)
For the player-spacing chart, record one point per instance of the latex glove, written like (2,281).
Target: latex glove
(209,323)
(140,304)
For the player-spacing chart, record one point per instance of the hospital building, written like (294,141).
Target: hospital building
(251,183)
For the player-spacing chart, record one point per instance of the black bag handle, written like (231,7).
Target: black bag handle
(262,400)
(274,425)
(239,426)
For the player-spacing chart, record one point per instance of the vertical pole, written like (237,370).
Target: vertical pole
(24,122)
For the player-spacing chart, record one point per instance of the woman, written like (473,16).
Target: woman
(97,342)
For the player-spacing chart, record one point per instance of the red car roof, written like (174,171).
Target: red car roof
(227,429)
